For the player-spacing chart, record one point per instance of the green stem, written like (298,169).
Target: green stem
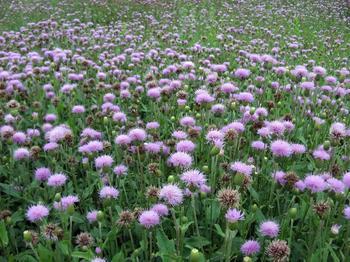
(291,233)
(150,245)
(194,214)
(131,239)
(177,230)
(100,230)
(70,231)
(34,251)
(229,235)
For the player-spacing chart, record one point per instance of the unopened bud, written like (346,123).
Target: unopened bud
(195,255)
(27,235)
(100,216)
(293,212)
(171,179)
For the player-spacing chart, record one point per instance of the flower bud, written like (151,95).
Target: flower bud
(27,235)
(70,210)
(254,207)
(335,229)
(203,194)
(205,169)
(326,145)
(58,197)
(171,179)
(195,255)
(247,259)
(293,212)
(100,216)
(184,219)
(214,151)
(238,179)
(8,220)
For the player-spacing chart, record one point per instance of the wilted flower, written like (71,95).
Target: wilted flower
(278,251)
(229,198)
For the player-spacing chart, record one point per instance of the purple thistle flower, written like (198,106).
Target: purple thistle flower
(50,146)
(78,109)
(179,134)
(242,73)
(66,202)
(346,212)
(242,168)
(108,192)
(180,159)
(137,134)
(244,97)
(281,148)
(335,185)
(279,177)
(98,259)
(250,247)
(346,180)
(122,140)
(172,194)
(315,183)
(234,215)
(120,170)
(149,219)
(56,180)
(258,145)
(19,138)
(298,148)
(152,125)
(269,228)
(37,213)
(92,216)
(321,154)
(187,121)
(160,209)
(42,174)
(21,153)
(193,178)
(103,161)
(186,146)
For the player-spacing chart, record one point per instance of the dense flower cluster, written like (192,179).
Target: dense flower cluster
(171,130)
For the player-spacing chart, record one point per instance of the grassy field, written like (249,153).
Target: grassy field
(182,130)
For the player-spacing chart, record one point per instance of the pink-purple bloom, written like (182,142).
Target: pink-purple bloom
(269,229)
(315,183)
(103,161)
(57,180)
(233,215)
(193,178)
(172,194)
(250,247)
(180,159)
(108,192)
(281,148)
(149,219)
(37,212)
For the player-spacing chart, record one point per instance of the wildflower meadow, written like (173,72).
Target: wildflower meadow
(183,130)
